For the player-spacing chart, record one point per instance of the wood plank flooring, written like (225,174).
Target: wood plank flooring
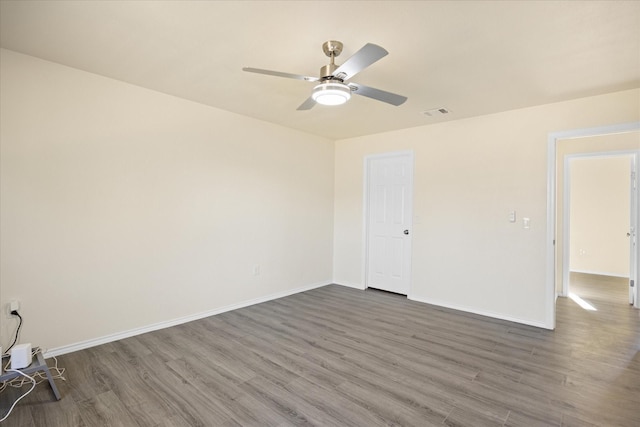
(336,356)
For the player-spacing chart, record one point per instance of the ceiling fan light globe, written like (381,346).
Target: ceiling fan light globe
(331,93)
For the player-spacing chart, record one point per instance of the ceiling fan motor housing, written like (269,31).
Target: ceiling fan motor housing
(326,72)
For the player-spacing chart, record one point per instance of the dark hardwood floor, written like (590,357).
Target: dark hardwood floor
(336,356)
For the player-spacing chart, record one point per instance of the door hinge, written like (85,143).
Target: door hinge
(633,179)
(632,283)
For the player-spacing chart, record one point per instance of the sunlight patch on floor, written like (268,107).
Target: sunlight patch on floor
(582,303)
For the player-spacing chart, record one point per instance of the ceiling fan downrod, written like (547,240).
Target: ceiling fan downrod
(332,49)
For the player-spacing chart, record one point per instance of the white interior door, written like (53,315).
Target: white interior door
(633,239)
(389,215)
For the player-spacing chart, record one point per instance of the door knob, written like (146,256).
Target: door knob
(406,232)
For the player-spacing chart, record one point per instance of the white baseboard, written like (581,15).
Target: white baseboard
(173,322)
(601,273)
(350,285)
(491,314)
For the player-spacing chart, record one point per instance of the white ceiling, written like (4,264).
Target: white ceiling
(471,57)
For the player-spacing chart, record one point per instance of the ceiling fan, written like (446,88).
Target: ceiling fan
(332,89)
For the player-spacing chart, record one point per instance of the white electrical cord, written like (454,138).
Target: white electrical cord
(18,382)
(56,373)
(33,385)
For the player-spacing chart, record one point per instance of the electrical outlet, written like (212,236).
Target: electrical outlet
(256,270)
(13,305)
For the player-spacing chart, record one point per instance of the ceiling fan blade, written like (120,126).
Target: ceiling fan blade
(280,74)
(377,94)
(360,60)
(307,105)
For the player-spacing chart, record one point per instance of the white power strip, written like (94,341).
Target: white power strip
(21,356)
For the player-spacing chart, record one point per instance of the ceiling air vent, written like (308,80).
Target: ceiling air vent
(436,112)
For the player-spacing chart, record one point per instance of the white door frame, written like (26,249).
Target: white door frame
(566,203)
(552,143)
(365,212)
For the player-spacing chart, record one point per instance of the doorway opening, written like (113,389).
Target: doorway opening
(620,137)
(598,219)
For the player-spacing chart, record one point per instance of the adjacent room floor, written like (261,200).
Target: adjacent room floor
(336,356)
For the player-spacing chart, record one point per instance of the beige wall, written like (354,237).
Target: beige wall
(600,205)
(469,174)
(123,207)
